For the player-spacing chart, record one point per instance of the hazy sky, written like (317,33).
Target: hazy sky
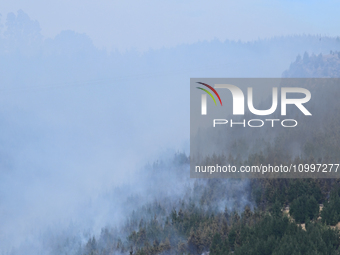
(166,23)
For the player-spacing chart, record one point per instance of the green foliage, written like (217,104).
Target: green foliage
(219,246)
(331,210)
(280,236)
(196,225)
(304,208)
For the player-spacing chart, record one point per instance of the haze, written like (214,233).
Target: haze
(153,24)
(77,121)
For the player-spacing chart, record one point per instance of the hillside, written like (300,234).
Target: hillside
(315,66)
(77,121)
(223,216)
(232,216)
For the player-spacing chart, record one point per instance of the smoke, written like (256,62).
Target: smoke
(77,123)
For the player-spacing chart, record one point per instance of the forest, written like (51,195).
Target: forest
(284,216)
(266,216)
(76,120)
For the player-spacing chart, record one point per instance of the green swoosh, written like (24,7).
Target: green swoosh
(208,93)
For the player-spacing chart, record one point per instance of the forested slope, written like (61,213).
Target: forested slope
(257,216)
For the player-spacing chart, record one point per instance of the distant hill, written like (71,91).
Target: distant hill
(320,66)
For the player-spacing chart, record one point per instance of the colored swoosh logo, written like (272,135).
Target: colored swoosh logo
(212,89)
